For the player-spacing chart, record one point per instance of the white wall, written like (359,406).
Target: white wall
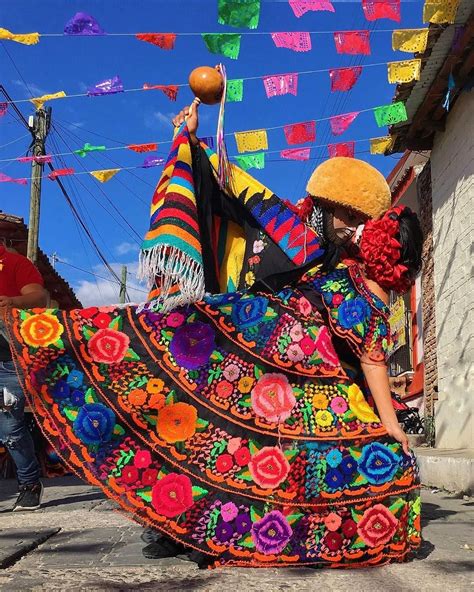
(452,161)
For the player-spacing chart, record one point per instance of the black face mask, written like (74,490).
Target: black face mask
(321,220)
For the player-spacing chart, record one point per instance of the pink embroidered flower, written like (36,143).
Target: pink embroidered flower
(258,246)
(304,306)
(224,389)
(254,260)
(307,345)
(229,511)
(272,397)
(296,332)
(175,319)
(142,459)
(233,445)
(294,352)
(339,405)
(325,347)
(108,346)
(337,299)
(332,521)
(377,526)
(269,467)
(231,372)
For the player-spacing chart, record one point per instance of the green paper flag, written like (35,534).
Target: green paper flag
(390,114)
(239,13)
(249,161)
(235,90)
(88,148)
(227,44)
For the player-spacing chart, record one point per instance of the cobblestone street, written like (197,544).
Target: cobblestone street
(78,541)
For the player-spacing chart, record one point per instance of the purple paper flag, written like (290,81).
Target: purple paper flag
(339,123)
(110,86)
(152,161)
(296,153)
(209,140)
(83,24)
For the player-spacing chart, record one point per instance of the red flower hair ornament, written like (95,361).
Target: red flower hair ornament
(380,251)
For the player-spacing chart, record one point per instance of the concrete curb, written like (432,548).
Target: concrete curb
(17,542)
(448,469)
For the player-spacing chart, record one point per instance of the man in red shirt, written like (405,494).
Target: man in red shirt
(21,286)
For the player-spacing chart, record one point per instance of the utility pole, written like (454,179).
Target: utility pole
(39,126)
(54,259)
(123,285)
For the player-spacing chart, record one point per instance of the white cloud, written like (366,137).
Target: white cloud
(125,248)
(32,88)
(163,120)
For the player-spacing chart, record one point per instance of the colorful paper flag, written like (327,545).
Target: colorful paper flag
(296,153)
(339,123)
(170,90)
(209,141)
(251,141)
(390,114)
(60,173)
(152,161)
(3,109)
(352,42)
(235,90)
(300,133)
(88,148)
(227,44)
(38,102)
(403,72)
(380,145)
(239,13)
(281,84)
(6,179)
(143,147)
(301,7)
(83,24)
(41,159)
(296,41)
(161,40)
(23,38)
(410,40)
(343,149)
(343,79)
(109,86)
(104,175)
(379,9)
(440,12)
(249,161)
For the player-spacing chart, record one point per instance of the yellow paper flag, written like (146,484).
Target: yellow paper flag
(251,141)
(439,12)
(25,38)
(402,72)
(104,175)
(380,145)
(40,101)
(410,40)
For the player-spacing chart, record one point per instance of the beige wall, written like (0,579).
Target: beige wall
(452,160)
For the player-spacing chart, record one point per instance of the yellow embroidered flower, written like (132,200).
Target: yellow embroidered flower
(359,405)
(155,385)
(320,401)
(250,278)
(41,330)
(245,384)
(324,418)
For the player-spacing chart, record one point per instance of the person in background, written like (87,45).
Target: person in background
(21,286)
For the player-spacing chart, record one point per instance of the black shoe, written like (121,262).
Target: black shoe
(29,497)
(163,548)
(150,535)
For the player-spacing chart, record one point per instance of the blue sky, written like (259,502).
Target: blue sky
(73,63)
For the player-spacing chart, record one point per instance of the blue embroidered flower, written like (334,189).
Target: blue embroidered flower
(75,378)
(77,398)
(352,312)
(61,390)
(249,311)
(221,299)
(335,479)
(383,329)
(94,423)
(348,465)
(334,457)
(378,463)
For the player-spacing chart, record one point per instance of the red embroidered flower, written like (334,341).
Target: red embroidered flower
(377,525)
(101,321)
(333,541)
(172,495)
(307,345)
(242,456)
(337,299)
(142,459)
(269,467)
(108,346)
(224,463)
(88,313)
(349,528)
(272,397)
(224,389)
(129,475)
(325,347)
(149,477)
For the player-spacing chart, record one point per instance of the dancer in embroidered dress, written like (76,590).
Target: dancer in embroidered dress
(230,424)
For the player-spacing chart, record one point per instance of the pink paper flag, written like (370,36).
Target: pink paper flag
(3,109)
(379,9)
(342,149)
(339,123)
(301,7)
(343,79)
(300,133)
(281,84)
(296,153)
(40,159)
(352,42)
(6,179)
(297,41)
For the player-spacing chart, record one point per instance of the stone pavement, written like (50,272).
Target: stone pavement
(78,541)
